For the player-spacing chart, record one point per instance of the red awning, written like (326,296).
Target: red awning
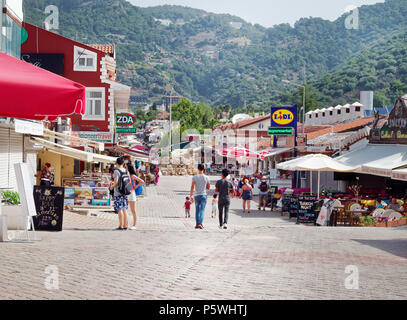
(29,92)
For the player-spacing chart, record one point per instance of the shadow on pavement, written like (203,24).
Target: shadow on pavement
(396,247)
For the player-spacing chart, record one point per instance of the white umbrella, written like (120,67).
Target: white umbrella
(316,162)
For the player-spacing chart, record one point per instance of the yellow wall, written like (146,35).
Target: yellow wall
(67,167)
(55,161)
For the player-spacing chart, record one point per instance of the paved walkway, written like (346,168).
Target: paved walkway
(261,256)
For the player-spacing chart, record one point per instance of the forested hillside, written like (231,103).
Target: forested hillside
(221,59)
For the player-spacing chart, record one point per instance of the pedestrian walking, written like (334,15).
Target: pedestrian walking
(247,195)
(122,189)
(263,193)
(214,205)
(187,206)
(200,185)
(136,182)
(225,190)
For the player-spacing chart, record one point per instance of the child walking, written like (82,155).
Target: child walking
(187,206)
(214,205)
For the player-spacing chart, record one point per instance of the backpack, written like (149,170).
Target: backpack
(264,187)
(124,184)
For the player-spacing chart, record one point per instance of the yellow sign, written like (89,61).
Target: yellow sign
(401,135)
(386,134)
(283,117)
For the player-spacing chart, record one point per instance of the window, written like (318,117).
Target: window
(331,113)
(310,116)
(316,115)
(339,111)
(357,109)
(95,104)
(347,110)
(84,60)
(10,36)
(323,114)
(261,126)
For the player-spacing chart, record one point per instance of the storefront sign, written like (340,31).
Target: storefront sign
(49,203)
(126,130)
(51,62)
(105,137)
(395,131)
(285,117)
(29,127)
(280,131)
(125,119)
(306,209)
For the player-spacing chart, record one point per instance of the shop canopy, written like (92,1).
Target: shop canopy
(316,162)
(73,140)
(273,152)
(238,152)
(73,153)
(400,174)
(29,92)
(377,159)
(138,155)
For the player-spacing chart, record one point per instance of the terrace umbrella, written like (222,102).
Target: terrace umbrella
(316,162)
(29,92)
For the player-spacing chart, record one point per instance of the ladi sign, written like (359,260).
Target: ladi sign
(283,117)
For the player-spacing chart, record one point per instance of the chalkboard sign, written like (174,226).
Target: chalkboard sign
(306,209)
(49,203)
(294,206)
(285,203)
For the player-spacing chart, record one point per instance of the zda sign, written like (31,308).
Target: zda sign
(125,119)
(283,117)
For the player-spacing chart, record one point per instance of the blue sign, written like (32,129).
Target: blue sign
(284,117)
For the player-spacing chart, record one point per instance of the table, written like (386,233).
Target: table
(354,220)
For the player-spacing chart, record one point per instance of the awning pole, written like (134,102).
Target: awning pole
(311,180)
(319,182)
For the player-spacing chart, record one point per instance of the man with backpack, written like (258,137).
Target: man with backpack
(263,191)
(122,189)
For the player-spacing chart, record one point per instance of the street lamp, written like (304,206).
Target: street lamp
(303,102)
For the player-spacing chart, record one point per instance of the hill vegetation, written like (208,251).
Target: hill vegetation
(223,60)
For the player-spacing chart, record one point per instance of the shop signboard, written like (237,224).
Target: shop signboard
(126,130)
(395,130)
(306,209)
(125,120)
(105,137)
(53,62)
(49,204)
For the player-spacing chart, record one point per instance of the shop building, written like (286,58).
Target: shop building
(93,66)
(383,161)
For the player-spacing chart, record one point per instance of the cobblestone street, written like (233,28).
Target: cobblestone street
(261,256)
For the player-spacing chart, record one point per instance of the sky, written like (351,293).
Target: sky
(267,12)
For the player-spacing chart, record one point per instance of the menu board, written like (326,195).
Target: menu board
(101,197)
(306,209)
(286,201)
(294,206)
(49,203)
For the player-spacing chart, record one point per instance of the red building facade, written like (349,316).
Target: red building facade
(94,66)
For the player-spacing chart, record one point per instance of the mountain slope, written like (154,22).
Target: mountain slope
(218,59)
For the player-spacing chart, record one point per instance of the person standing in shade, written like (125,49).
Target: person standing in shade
(46,175)
(121,202)
(200,185)
(225,189)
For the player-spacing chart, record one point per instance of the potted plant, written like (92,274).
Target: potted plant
(12,208)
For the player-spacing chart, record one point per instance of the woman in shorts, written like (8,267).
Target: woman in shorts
(247,195)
